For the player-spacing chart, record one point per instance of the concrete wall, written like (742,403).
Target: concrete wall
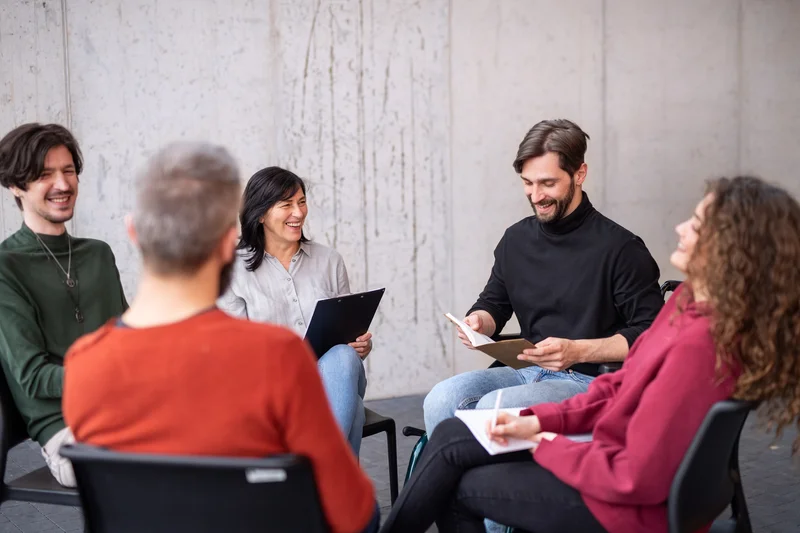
(405,117)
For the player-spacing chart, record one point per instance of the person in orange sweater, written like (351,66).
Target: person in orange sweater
(176,375)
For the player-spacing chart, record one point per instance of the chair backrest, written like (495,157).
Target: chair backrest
(13,428)
(708,476)
(127,493)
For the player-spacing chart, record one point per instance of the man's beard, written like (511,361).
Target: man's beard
(58,218)
(225,278)
(562,204)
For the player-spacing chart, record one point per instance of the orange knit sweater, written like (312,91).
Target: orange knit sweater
(214,385)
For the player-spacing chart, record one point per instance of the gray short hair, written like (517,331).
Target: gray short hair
(187,197)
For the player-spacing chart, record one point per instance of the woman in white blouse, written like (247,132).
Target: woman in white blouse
(279,275)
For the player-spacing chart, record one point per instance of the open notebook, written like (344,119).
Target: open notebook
(504,351)
(476,419)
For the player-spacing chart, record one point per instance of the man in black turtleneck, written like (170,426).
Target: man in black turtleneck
(582,286)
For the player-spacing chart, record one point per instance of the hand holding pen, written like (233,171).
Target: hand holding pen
(504,426)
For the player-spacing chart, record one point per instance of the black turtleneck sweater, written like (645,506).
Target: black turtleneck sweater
(581,277)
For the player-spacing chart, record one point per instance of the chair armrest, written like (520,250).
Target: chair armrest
(607,368)
(669,286)
(409,431)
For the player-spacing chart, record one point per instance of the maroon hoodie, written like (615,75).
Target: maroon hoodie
(642,418)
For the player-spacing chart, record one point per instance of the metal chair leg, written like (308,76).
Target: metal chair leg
(391,447)
(739,505)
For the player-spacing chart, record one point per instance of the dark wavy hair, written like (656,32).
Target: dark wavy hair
(747,258)
(561,136)
(265,188)
(23,150)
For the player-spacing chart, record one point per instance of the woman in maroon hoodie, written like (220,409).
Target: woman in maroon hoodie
(732,330)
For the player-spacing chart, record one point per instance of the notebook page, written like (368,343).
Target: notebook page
(476,419)
(477,339)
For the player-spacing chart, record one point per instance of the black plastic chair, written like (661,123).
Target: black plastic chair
(375,424)
(38,486)
(132,493)
(708,479)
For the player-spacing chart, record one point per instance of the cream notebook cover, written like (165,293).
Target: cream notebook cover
(504,351)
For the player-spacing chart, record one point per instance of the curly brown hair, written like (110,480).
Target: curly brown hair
(747,257)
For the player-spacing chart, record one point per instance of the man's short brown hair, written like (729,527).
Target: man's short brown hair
(560,136)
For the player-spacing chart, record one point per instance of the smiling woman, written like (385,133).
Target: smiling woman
(274,206)
(278,277)
(688,232)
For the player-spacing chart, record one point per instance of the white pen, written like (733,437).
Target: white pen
(496,408)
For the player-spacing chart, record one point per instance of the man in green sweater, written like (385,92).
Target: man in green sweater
(53,287)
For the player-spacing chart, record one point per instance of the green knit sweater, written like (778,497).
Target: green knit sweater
(37,317)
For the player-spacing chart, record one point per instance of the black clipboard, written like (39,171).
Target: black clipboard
(341,320)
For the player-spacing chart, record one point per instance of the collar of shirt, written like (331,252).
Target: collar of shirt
(305,247)
(572,221)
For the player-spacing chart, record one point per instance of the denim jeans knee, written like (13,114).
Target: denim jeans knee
(344,379)
(463,392)
(341,359)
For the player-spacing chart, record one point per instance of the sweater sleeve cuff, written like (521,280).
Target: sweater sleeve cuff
(546,448)
(482,306)
(549,414)
(631,334)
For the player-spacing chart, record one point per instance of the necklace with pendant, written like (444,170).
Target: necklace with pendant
(69,281)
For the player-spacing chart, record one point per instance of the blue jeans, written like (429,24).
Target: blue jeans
(345,383)
(521,388)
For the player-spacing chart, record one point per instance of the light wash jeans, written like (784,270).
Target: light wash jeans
(345,382)
(521,388)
